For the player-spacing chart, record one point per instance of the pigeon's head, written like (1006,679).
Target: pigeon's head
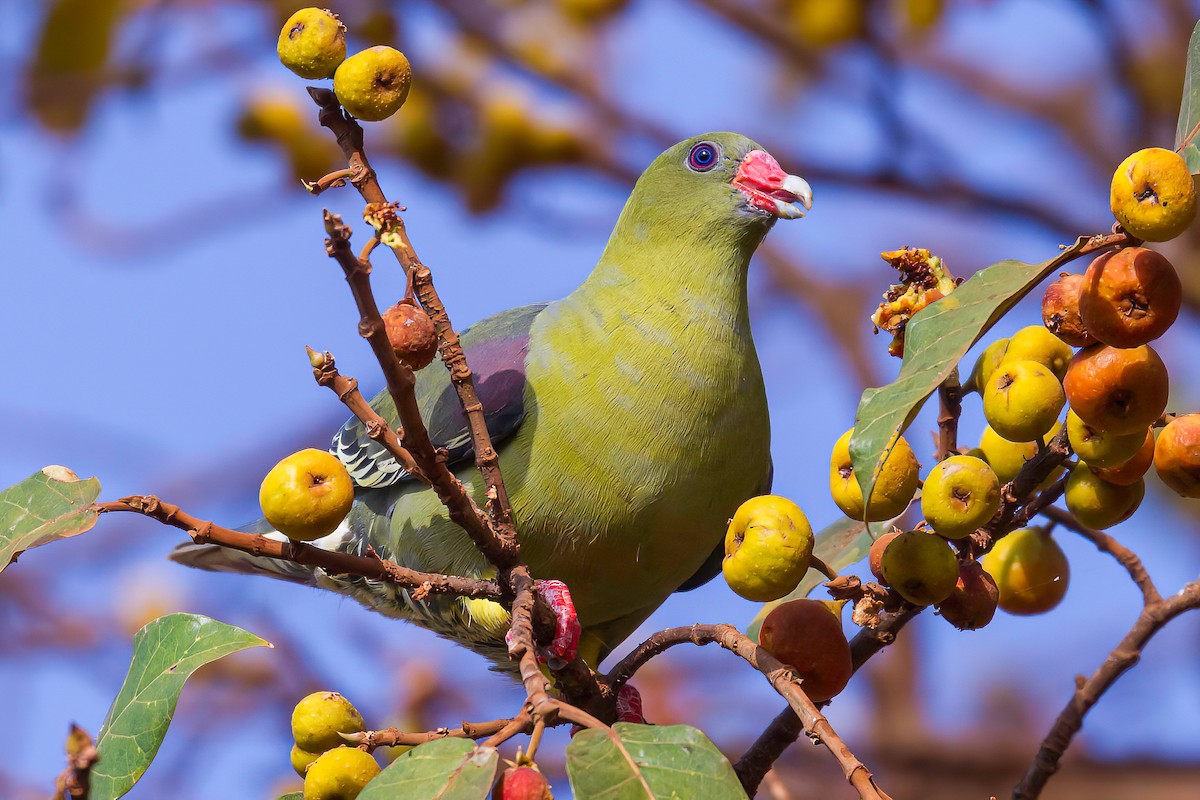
(718,175)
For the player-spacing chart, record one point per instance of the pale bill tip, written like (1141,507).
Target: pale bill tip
(794,184)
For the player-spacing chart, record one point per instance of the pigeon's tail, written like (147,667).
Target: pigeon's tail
(215,558)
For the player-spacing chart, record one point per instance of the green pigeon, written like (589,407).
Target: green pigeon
(630,418)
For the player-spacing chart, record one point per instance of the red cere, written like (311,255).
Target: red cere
(760,179)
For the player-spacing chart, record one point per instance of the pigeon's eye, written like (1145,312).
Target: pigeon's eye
(703,157)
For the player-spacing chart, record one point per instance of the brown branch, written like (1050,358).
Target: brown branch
(326,374)
(950,409)
(811,721)
(390,228)
(1107,544)
(1040,503)
(373,567)
(498,548)
(522,723)
(1124,656)
(494,533)
(333,180)
(504,550)
(820,566)
(392,737)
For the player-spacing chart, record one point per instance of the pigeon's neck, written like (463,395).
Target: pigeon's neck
(689,267)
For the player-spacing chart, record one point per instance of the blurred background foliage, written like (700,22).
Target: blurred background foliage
(161,285)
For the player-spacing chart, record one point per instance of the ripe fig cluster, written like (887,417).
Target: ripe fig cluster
(371,85)
(331,769)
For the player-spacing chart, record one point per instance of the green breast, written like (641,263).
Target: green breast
(648,428)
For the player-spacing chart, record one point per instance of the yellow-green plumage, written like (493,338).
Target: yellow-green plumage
(644,423)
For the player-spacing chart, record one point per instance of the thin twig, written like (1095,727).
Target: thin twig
(391,231)
(499,549)
(1124,656)
(494,533)
(326,374)
(519,724)
(392,737)
(1107,544)
(781,677)
(204,532)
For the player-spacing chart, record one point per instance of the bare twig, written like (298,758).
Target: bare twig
(204,532)
(494,532)
(498,548)
(504,552)
(1107,544)
(812,721)
(521,723)
(391,737)
(326,374)
(1125,655)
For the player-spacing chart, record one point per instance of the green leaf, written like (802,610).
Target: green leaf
(165,653)
(839,545)
(48,505)
(1188,129)
(636,762)
(291,796)
(444,769)
(935,341)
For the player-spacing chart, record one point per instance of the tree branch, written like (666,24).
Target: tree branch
(326,374)
(949,410)
(499,548)
(1088,692)
(392,737)
(373,567)
(781,677)
(1107,544)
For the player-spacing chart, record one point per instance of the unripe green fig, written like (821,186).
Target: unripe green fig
(339,774)
(894,488)
(312,43)
(920,566)
(1130,471)
(1007,458)
(1035,343)
(973,602)
(1099,504)
(985,365)
(1098,448)
(960,494)
(320,718)
(372,85)
(1030,570)
(807,636)
(768,548)
(1023,399)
